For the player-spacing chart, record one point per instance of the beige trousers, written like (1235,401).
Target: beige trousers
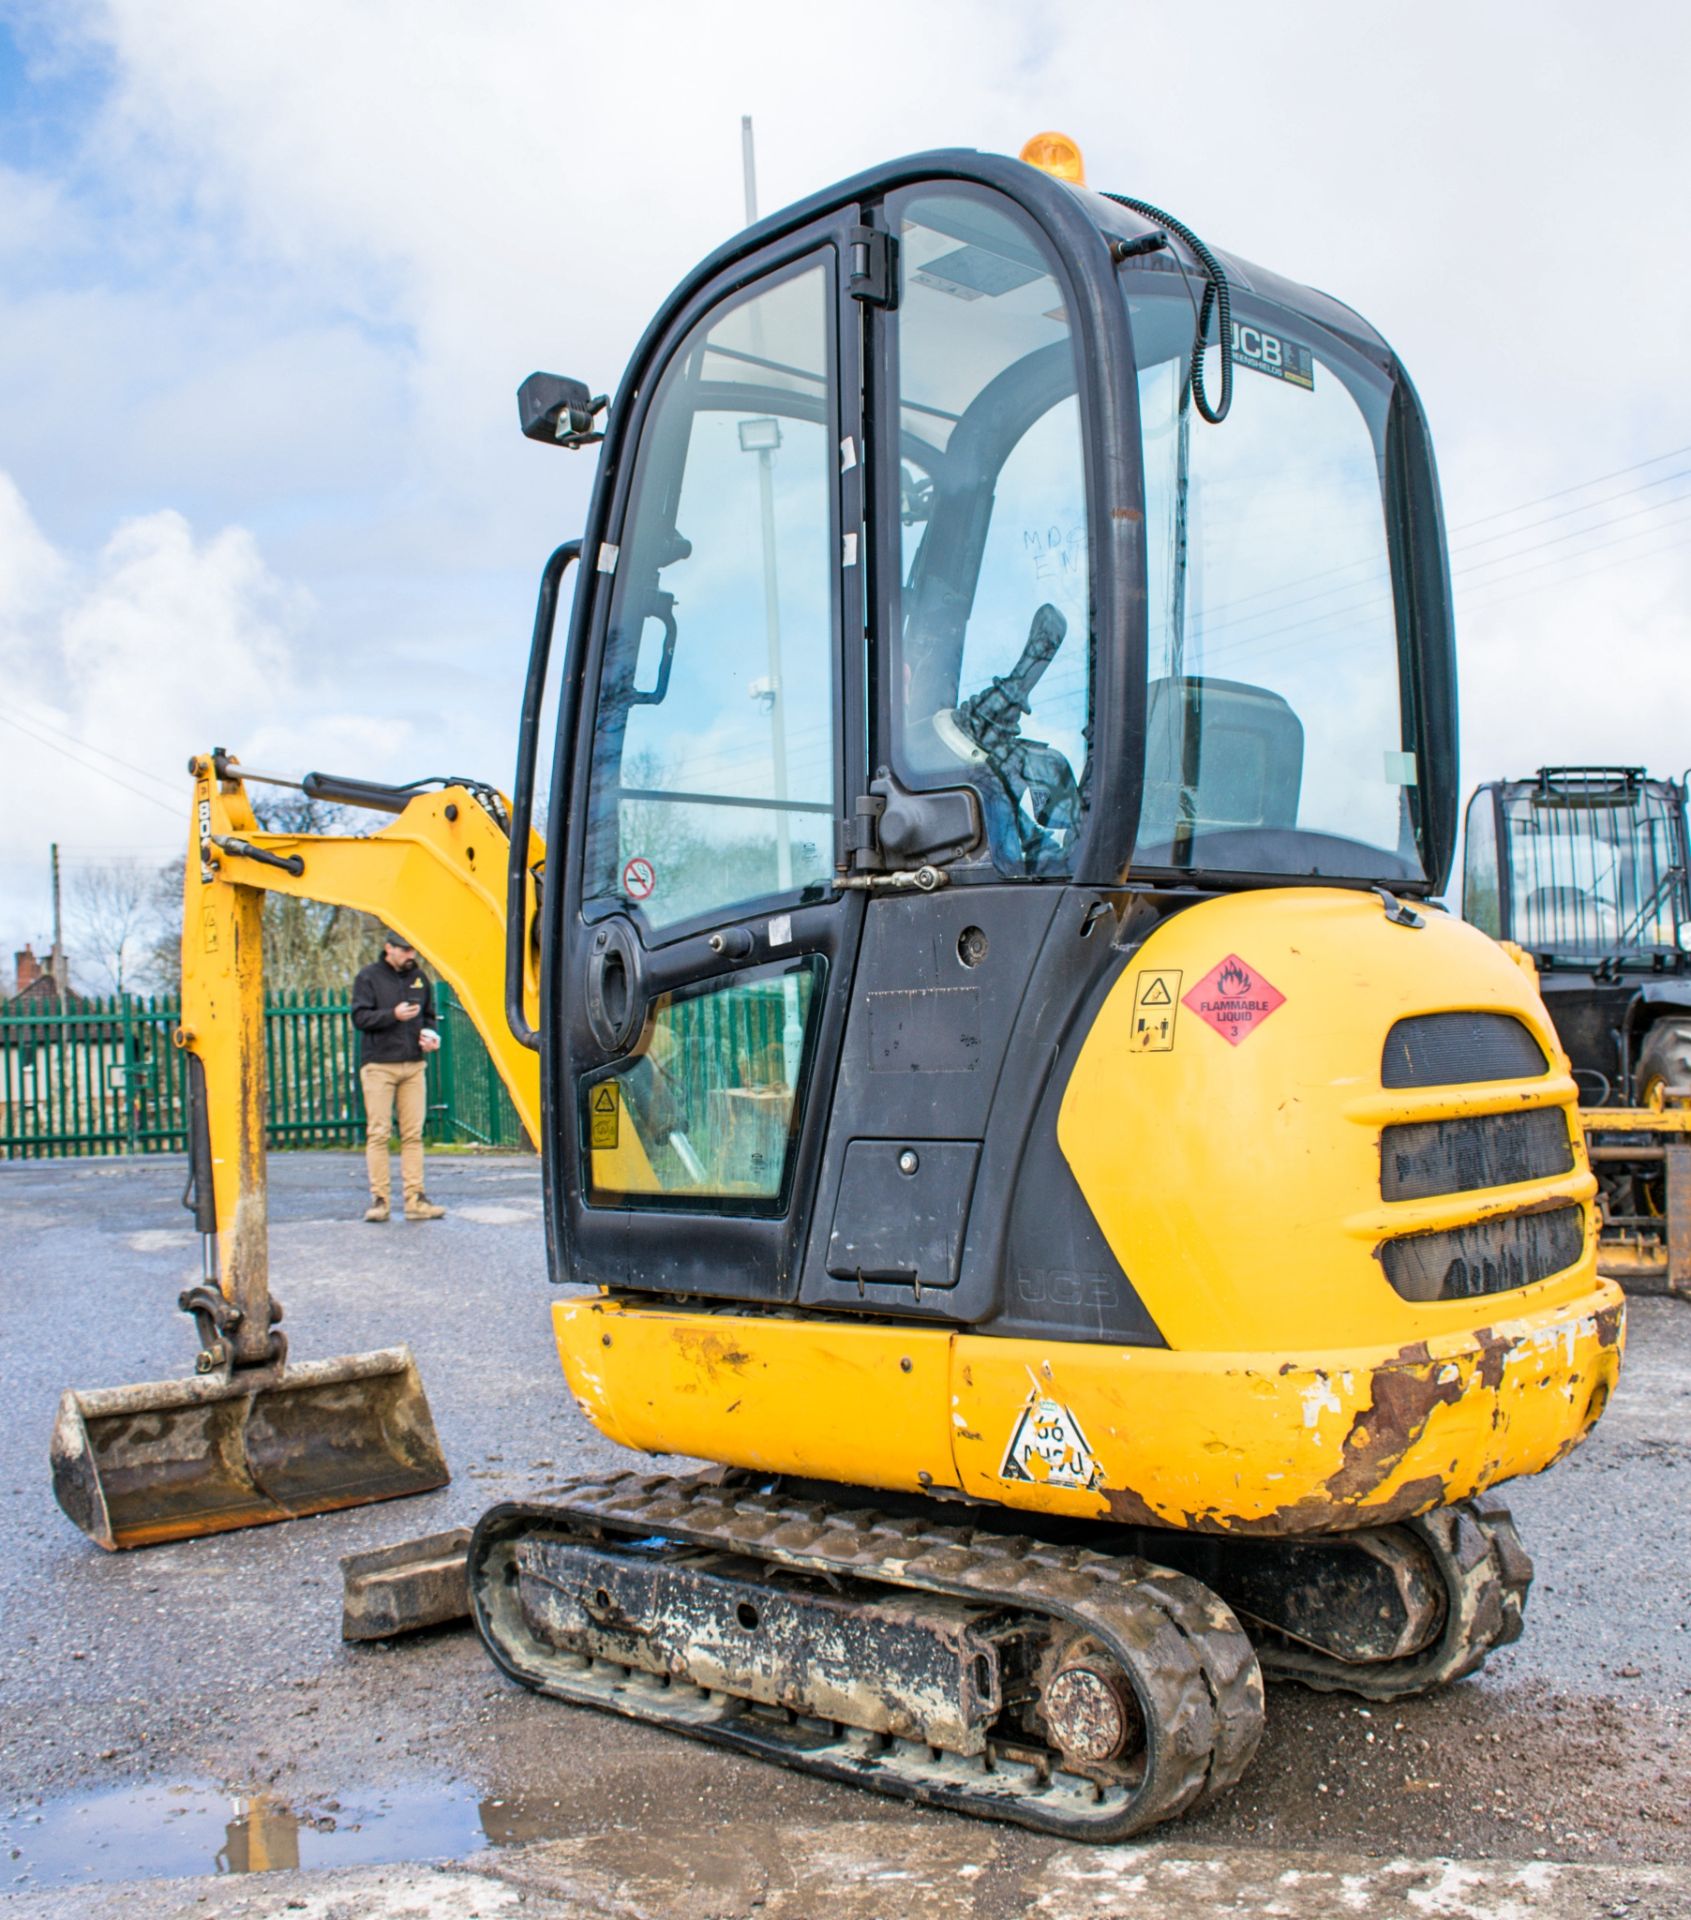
(391,1085)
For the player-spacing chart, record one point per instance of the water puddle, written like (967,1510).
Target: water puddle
(169,1832)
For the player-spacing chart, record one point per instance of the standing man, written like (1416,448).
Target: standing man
(393,1008)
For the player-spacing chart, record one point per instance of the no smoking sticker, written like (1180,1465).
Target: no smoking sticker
(1234,999)
(1156,1002)
(639,879)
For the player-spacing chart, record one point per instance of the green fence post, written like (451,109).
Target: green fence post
(445,1064)
(128,1076)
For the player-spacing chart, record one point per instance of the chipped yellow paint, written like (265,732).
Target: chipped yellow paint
(1275,1444)
(1221,1442)
(1299,1443)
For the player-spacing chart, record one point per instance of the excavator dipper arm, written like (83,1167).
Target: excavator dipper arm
(251,1438)
(436,875)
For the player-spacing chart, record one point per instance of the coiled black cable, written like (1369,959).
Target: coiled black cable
(1217,298)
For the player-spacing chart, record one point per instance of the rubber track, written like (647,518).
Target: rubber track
(1191,1664)
(1486,1573)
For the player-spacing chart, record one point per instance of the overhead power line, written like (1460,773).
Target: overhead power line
(1376,574)
(88,766)
(1579,486)
(105,753)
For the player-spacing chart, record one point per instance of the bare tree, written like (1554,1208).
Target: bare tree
(111,908)
(311,946)
(163,962)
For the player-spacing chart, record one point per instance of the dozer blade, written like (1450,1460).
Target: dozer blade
(173,1459)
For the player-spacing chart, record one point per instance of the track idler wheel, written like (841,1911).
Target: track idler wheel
(1485,1573)
(1088,1709)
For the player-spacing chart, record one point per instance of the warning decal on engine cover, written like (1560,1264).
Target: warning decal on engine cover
(1234,999)
(1048,1447)
(1156,1002)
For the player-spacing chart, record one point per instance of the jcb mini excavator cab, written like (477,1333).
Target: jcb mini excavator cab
(1003,1070)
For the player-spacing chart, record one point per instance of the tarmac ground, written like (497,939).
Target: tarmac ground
(175,1719)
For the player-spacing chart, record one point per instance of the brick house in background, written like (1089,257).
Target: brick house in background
(42,989)
(57,1077)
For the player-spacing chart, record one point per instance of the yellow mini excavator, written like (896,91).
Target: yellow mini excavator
(1006,1086)
(254,1436)
(1004,1073)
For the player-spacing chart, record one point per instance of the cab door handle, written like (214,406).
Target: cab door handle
(614,1000)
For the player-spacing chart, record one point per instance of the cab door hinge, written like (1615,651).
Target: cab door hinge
(874,267)
(859,837)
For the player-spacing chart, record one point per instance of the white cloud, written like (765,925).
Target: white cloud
(118,667)
(30,575)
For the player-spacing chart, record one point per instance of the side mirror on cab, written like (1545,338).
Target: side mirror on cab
(558,411)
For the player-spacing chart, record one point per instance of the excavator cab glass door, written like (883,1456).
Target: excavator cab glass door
(991,674)
(737,719)
(703,923)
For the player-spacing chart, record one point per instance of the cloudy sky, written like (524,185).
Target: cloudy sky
(269,276)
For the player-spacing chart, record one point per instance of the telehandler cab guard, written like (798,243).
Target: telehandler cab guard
(1585,870)
(257,1436)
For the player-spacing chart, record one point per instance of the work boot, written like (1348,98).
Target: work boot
(377,1211)
(421,1207)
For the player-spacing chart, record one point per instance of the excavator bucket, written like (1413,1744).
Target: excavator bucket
(172,1459)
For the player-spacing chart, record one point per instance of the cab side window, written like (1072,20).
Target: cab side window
(713,773)
(991,684)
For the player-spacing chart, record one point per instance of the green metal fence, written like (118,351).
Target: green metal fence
(103,1077)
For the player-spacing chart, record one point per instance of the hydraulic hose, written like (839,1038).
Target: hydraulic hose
(1217,298)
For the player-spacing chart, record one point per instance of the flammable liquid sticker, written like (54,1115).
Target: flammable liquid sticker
(1234,999)
(1049,1449)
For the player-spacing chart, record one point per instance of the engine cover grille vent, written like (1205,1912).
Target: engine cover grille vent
(1454,1049)
(1490,1256)
(1481,1150)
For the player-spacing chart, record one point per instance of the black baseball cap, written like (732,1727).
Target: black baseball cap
(392,939)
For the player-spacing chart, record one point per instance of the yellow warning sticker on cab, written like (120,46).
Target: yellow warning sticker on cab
(1156,1001)
(604,1115)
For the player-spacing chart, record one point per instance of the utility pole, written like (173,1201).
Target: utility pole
(764,436)
(57,964)
(748,164)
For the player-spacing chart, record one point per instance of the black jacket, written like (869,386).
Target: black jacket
(375,994)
